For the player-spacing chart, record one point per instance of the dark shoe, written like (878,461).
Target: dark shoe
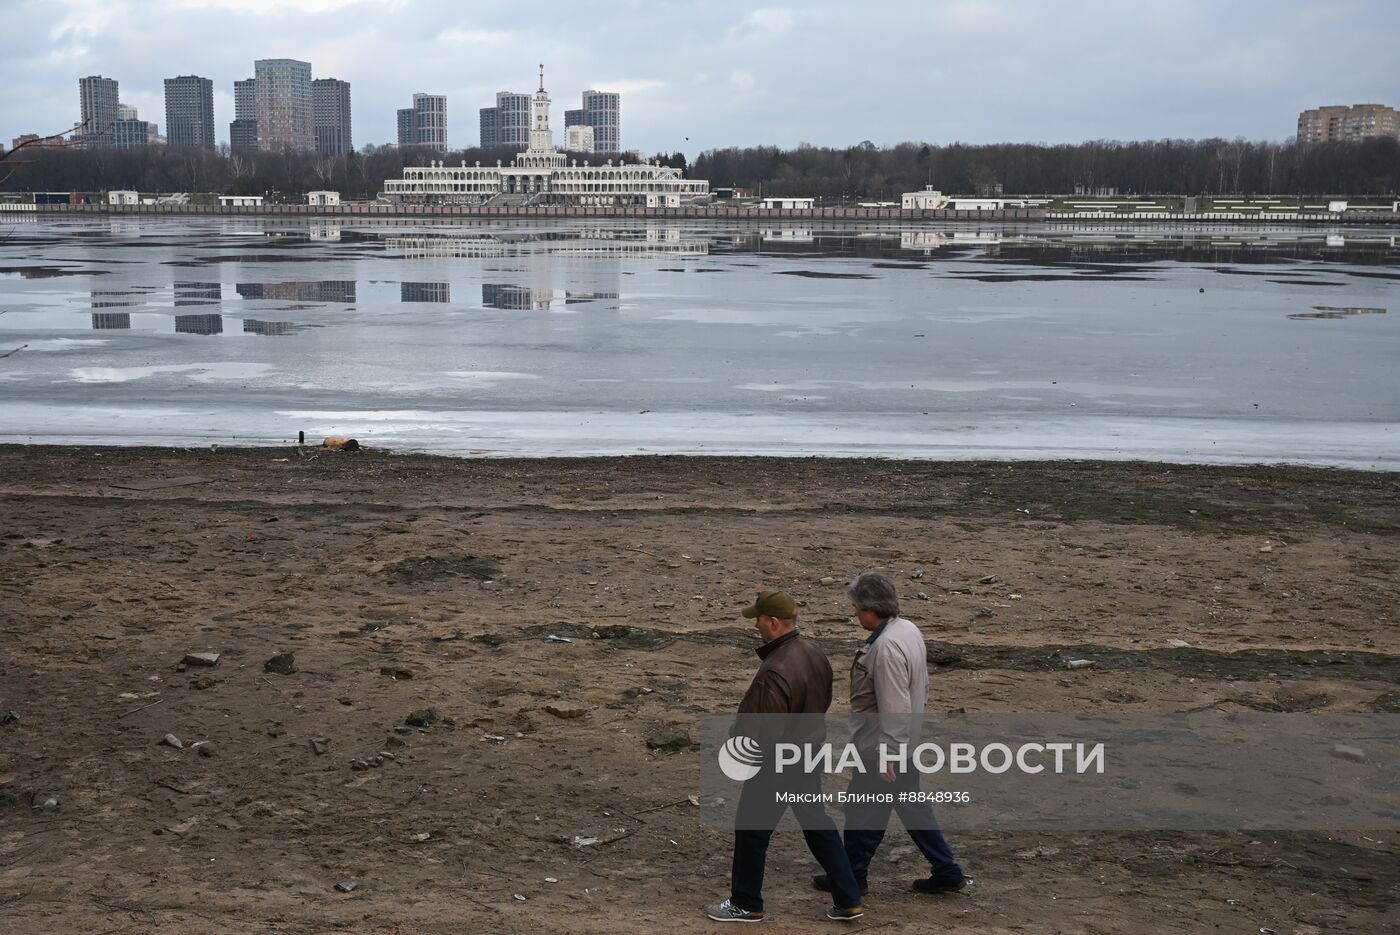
(935,885)
(845,915)
(728,912)
(823,882)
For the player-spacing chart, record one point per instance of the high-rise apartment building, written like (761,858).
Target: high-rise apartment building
(284,104)
(425,123)
(99,106)
(488,128)
(1347,124)
(243,131)
(508,121)
(430,111)
(602,110)
(330,106)
(130,131)
(189,111)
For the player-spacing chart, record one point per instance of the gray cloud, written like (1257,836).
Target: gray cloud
(726,73)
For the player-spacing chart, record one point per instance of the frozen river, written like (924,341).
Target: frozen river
(617,338)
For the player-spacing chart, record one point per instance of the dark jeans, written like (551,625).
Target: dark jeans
(759,813)
(866,823)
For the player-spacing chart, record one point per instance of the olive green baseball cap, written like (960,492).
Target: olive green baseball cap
(772,604)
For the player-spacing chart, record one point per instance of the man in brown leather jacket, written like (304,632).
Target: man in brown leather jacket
(794,677)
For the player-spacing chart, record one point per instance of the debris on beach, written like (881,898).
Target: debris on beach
(340,443)
(200,659)
(281,664)
(670,738)
(423,717)
(565,709)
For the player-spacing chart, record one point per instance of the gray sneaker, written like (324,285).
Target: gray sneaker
(728,912)
(837,914)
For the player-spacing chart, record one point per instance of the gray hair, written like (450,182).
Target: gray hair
(872,591)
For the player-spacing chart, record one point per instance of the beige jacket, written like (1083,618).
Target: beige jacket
(889,677)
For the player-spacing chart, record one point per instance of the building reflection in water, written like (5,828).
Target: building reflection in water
(198,293)
(269,328)
(425,292)
(581,260)
(507,296)
(100,298)
(573,297)
(334,290)
(790,235)
(111,321)
(199,324)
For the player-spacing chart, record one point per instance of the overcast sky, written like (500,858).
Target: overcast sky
(696,75)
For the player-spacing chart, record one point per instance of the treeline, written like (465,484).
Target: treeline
(1183,167)
(861,172)
(287,175)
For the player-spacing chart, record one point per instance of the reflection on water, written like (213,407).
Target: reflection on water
(651,242)
(199,324)
(525,298)
(1332,311)
(790,235)
(934,241)
(269,328)
(425,292)
(536,270)
(336,290)
(111,321)
(572,297)
(198,293)
(445,246)
(103,298)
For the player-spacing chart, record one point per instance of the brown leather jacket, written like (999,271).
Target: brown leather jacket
(793,678)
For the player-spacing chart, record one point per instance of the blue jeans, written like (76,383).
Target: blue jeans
(866,823)
(759,813)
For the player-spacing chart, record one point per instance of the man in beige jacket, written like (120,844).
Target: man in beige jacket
(889,688)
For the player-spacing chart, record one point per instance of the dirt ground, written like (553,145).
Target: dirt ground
(402,583)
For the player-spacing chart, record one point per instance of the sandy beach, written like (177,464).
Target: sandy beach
(404,583)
